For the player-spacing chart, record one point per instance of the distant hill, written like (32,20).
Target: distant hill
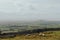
(29,22)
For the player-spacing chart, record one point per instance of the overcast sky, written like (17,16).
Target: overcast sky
(29,9)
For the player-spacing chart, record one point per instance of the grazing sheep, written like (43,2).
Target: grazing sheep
(41,34)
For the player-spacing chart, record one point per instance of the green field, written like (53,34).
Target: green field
(50,35)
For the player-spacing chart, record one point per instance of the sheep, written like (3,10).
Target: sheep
(41,34)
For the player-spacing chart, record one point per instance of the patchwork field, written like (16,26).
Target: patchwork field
(50,35)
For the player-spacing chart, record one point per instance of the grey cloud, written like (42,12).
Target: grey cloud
(29,9)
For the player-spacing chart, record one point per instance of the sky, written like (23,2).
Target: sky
(29,10)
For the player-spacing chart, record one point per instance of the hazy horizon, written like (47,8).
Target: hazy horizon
(14,10)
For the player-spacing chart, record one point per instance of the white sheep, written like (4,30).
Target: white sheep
(41,34)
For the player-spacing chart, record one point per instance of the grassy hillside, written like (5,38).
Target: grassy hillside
(50,35)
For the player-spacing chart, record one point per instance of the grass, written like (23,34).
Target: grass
(50,35)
